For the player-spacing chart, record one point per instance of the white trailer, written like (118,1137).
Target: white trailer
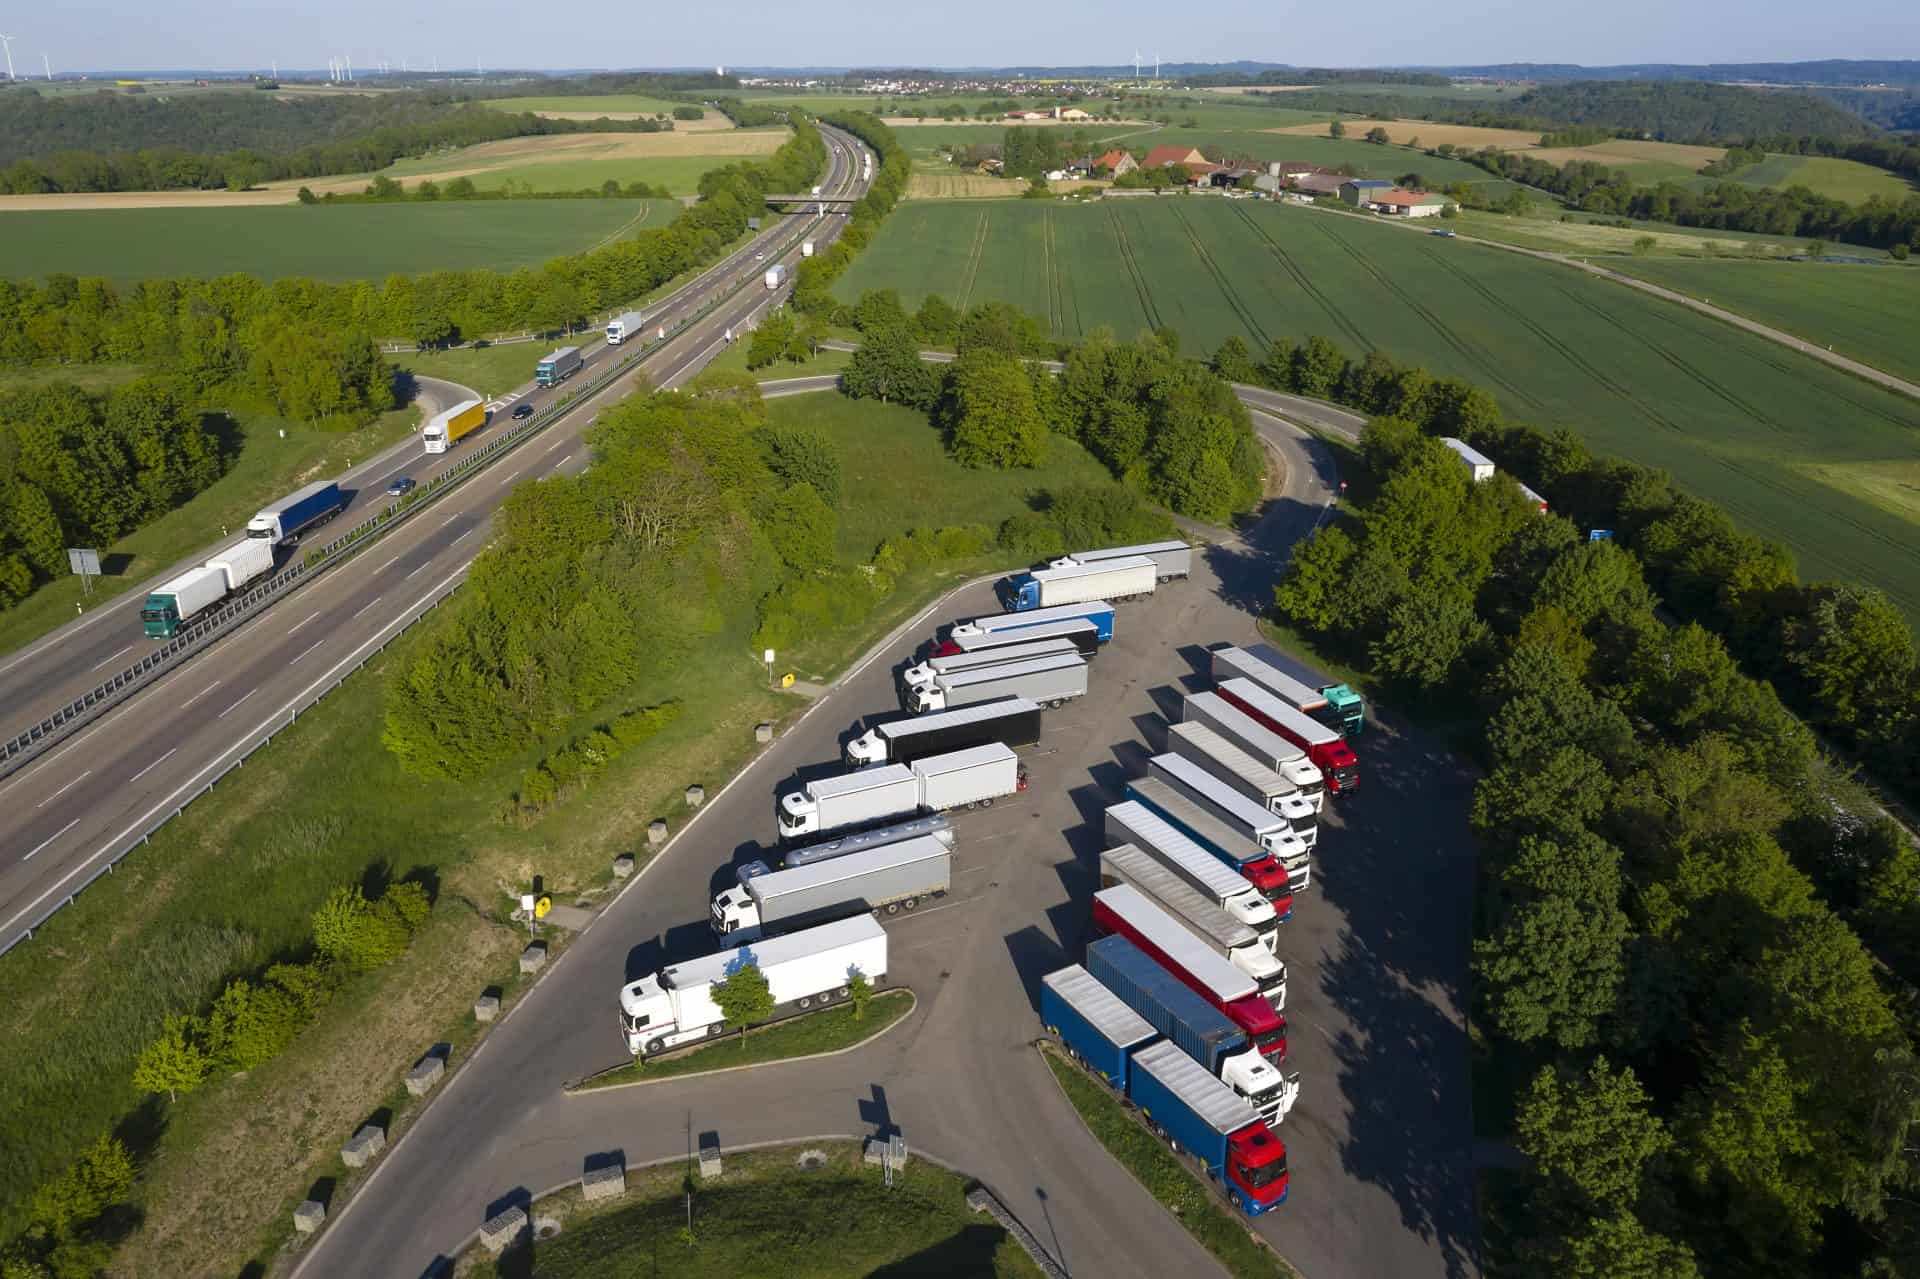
(245,561)
(776,276)
(625,325)
(1171,560)
(850,799)
(1211,751)
(933,825)
(1132,577)
(952,663)
(1262,743)
(884,880)
(1132,822)
(194,591)
(969,778)
(805,969)
(806,248)
(1242,946)
(1478,464)
(1248,820)
(1050,681)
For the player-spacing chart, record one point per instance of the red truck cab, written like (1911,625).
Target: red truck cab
(1256,1172)
(1324,746)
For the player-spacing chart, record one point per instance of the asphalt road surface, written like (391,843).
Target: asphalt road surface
(1380,1143)
(80,803)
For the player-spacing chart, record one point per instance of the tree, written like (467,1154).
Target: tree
(1429,633)
(1616,1246)
(1377,135)
(1590,1138)
(249,1025)
(936,323)
(1313,593)
(1856,655)
(802,528)
(744,997)
(996,422)
(349,930)
(1336,129)
(877,310)
(888,368)
(1234,362)
(173,1062)
(860,990)
(805,455)
(771,340)
(1317,366)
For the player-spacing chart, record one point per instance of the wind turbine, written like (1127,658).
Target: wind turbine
(7,41)
(1136,66)
(1156,66)
(47,67)
(349,66)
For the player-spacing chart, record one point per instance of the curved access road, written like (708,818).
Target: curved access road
(1380,1145)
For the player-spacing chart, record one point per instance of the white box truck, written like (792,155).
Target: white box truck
(806,248)
(776,276)
(924,672)
(1244,947)
(1203,746)
(1262,743)
(243,563)
(884,880)
(1171,560)
(625,325)
(971,778)
(1050,681)
(805,969)
(1129,578)
(176,602)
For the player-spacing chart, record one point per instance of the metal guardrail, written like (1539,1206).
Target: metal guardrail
(18,751)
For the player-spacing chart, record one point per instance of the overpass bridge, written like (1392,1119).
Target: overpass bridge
(836,201)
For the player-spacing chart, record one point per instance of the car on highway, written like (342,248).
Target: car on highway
(522,410)
(401,486)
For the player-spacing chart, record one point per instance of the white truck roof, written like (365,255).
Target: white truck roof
(1185,772)
(861,779)
(1171,938)
(1104,1010)
(1178,896)
(1218,1106)
(837,870)
(1250,665)
(961,760)
(1263,700)
(1128,552)
(1011,670)
(1481,465)
(1069,572)
(1257,774)
(1038,616)
(773,950)
(973,714)
(1148,827)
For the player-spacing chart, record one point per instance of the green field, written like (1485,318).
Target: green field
(679,174)
(620,103)
(1870,313)
(1735,417)
(343,242)
(1836,179)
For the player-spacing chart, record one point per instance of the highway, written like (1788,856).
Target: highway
(1379,1146)
(65,814)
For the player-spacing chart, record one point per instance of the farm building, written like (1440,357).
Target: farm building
(1318,184)
(1116,162)
(1357,191)
(1406,204)
(1074,113)
(1161,157)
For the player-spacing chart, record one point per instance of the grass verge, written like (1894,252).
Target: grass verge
(1155,1167)
(829,1030)
(768,1217)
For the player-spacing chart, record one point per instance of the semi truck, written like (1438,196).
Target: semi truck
(1335,705)
(179,600)
(1192,1025)
(446,428)
(885,880)
(1269,876)
(1093,1024)
(1325,747)
(1131,578)
(1171,560)
(1080,631)
(932,826)
(816,966)
(1050,681)
(949,663)
(1125,910)
(1243,818)
(1267,748)
(282,523)
(1099,612)
(806,248)
(1211,751)
(1243,947)
(557,367)
(1136,821)
(776,276)
(627,324)
(970,778)
(1012,721)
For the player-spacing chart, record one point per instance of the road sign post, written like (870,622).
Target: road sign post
(84,561)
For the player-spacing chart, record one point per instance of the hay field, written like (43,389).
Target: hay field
(1430,134)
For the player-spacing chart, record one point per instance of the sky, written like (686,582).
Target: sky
(240,35)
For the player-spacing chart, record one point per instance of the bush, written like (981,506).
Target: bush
(802,528)
(572,766)
(805,455)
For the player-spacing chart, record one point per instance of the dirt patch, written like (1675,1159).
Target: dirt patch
(1403,132)
(1627,152)
(149,199)
(978,186)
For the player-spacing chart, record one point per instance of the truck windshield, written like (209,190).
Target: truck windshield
(153,614)
(1265,1174)
(258,532)
(1275,1039)
(1348,778)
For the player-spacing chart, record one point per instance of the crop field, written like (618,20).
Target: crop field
(1734,417)
(1427,133)
(613,106)
(1837,179)
(345,242)
(569,162)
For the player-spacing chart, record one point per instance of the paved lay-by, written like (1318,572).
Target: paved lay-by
(1380,1144)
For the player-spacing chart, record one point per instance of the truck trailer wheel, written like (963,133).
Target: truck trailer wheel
(893,908)
(655,1045)
(843,992)
(805,1001)
(910,903)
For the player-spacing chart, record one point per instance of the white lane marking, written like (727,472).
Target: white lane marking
(64,789)
(451,518)
(303,621)
(202,693)
(562,462)
(418,569)
(364,607)
(308,649)
(509,476)
(103,661)
(150,767)
(236,706)
(468,533)
(556,444)
(56,835)
(384,567)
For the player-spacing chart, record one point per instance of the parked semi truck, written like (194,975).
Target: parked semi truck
(1241,857)
(1185,1106)
(1192,1025)
(776,276)
(175,603)
(1171,560)
(1136,821)
(1262,785)
(1266,747)
(1131,578)
(1125,910)
(950,663)
(446,428)
(1335,705)
(884,880)
(1081,632)
(1011,721)
(1099,612)
(1245,819)
(969,778)
(931,826)
(1324,746)
(1050,681)
(675,1005)
(627,324)
(1243,947)
(557,367)
(282,523)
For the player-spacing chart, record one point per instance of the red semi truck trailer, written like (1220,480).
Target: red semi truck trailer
(1324,746)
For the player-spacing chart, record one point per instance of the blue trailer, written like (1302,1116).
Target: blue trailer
(1092,1022)
(1196,1113)
(1099,612)
(1199,1029)
(285,520)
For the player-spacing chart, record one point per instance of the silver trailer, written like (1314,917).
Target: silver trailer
(933,824)
(884,880)
(1201,746)
(1049,681)
(954,663)
(1249,950)
(1135,822)
(1256,739)
(969,778)
(1083,632)
(1170,559)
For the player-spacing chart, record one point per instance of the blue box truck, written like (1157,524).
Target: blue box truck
(1093,1022)
(284,521)
(1196,1113)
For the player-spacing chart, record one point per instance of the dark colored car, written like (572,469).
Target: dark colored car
(522,410)
(400,487)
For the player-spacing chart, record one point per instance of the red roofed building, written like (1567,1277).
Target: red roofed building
(1116,162)
(1400,202)
(1161,157)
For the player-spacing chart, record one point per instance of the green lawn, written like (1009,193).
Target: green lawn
(1733,416)
(622,103)
(342,242)
(821,1032)
(1871,313)
(769,1219)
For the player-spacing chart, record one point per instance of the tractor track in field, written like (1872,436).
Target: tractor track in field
(1050,255)
(1307,286)
(1473,354)
(974,253)
(1147,308)
(1221,279)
